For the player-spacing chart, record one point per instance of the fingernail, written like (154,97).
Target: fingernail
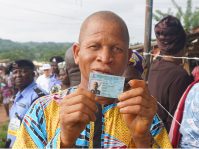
(119,104)
(120,97)
(96,97)
(120,110)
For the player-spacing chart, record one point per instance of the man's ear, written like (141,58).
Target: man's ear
(130,52)
(33,73)
(76,49)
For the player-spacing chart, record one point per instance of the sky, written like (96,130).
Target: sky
(60,20)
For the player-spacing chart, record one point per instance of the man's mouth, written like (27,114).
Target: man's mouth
(19,80)
(103,71)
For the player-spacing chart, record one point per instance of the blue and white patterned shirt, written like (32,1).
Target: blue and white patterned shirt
(190,120)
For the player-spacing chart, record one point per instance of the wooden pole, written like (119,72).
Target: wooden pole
(147,34)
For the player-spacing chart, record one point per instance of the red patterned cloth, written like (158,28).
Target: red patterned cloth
(174,134)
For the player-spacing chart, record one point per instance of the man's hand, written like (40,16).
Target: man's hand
(76,111)
(138,108)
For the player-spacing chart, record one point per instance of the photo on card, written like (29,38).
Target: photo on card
(95,86)
(106,85)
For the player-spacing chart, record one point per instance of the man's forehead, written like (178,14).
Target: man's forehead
(102,27)
(20,69)
(54,63)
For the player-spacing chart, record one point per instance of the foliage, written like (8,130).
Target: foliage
(190,19)
(161,14)
(32,50)
(135,44)
(3,135)
(57,53)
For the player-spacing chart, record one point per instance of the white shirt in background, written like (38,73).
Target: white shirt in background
(43,82)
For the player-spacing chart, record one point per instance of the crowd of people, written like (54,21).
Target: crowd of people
(55,109)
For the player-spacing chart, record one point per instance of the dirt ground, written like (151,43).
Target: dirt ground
(3,117)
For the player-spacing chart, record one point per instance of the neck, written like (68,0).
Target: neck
(64,86)
(175,60)
(47,76)
(101,100)
(21,88)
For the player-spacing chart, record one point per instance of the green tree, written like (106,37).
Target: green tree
(190,19)
(135,44)
(57,53)
(15,55)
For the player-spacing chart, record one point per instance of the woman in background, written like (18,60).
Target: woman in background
(7,94)
(65,83)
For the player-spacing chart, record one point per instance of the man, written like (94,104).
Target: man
(167,79)
(136,69)
(73,69)
(43,80)
(95,88)
(23,77)
(78,118)
(54,79)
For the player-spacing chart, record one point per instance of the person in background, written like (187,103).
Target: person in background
(7,94)
(54,79)
(23,77)
(43,80)
(168,80)
(73,69)
(136,69)
(65,82)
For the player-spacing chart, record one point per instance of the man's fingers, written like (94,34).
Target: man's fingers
(82,99)
(81,91)
(138,83)
(78,117)
(135,101)
(82,109)
(139,110)
(137,92)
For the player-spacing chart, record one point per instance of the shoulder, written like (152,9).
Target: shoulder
(41,76)
(57,97)
(34,90)
(193,93)
(37,87)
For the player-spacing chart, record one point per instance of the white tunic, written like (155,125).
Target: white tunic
(43,82)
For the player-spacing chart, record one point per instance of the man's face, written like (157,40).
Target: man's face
(64,77)
(46,72)
(22,77)
(102,50)
(95,85)
(54,67)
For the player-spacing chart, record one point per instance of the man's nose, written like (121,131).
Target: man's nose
(105,55)
(18,74)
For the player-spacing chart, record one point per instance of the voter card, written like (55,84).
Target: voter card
(14,126)
(106,85)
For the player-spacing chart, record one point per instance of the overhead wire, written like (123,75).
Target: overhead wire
(95,5)
(38,22)
(55,6)
(39,11)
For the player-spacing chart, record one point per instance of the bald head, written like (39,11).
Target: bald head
(104,16)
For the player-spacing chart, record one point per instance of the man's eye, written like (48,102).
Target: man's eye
(117,49)
(94,47)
